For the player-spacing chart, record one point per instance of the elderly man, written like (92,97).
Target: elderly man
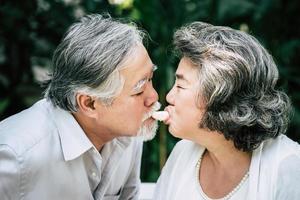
(71,144)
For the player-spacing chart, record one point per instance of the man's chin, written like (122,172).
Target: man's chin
(148,131)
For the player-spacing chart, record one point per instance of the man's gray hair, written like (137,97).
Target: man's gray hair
(89,58)
(237,79)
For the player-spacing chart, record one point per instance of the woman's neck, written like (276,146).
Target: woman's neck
(226,157)
(222,153)
(222,166)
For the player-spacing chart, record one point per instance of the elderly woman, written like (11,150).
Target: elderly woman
(226,108)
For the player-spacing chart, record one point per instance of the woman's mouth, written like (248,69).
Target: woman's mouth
(169,110)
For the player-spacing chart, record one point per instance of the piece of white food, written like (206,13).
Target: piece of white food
(160,115)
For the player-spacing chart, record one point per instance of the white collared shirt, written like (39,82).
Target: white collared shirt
(274,173)
(44,154)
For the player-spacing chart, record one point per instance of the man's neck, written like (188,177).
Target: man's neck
(97,139)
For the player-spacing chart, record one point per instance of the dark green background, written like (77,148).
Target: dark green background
(31,29)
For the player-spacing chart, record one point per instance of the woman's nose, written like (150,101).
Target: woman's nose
(170,96)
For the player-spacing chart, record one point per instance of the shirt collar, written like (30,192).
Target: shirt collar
(74,141)
(123,142)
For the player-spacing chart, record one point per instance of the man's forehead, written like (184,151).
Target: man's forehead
(148,72)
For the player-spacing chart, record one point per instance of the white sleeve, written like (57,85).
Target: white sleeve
(164,183)
(10,177)
(288,181)
(132,185)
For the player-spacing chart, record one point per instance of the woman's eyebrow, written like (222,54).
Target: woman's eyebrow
(181,77)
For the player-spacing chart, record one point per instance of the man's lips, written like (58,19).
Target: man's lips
(148,120)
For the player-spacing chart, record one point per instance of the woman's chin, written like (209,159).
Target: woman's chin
(174,132)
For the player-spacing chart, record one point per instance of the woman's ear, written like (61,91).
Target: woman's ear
(86,105)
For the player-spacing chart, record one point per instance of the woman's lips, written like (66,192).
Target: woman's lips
(168,109)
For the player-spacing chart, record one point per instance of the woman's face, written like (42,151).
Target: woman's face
(185,114)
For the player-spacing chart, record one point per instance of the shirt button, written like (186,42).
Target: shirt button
(94,174)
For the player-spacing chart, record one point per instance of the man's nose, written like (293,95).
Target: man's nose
(152,97)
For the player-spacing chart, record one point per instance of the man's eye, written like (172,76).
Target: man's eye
(179,87)
(150,79)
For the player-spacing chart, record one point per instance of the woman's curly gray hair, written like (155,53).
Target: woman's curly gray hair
(237,79)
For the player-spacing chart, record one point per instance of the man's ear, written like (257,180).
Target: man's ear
(86,105)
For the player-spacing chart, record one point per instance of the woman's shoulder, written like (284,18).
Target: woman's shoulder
(288,171)
(280,152)
(183,154)
(289,153)
(282,147)
(275,164)
(184,144)
(183,158)
(185,147)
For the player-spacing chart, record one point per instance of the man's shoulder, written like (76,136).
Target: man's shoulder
(25,129)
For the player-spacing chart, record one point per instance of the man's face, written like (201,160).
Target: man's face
(130,112)
(184,112)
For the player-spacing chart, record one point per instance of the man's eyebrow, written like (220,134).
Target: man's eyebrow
(143,81)
(154,68)
(140,84)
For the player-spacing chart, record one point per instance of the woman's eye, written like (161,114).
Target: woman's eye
(138,94)
(178,86)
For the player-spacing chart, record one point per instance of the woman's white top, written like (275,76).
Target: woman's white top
(274,173)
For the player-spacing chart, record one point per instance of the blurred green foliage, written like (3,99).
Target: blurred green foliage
(31,29)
